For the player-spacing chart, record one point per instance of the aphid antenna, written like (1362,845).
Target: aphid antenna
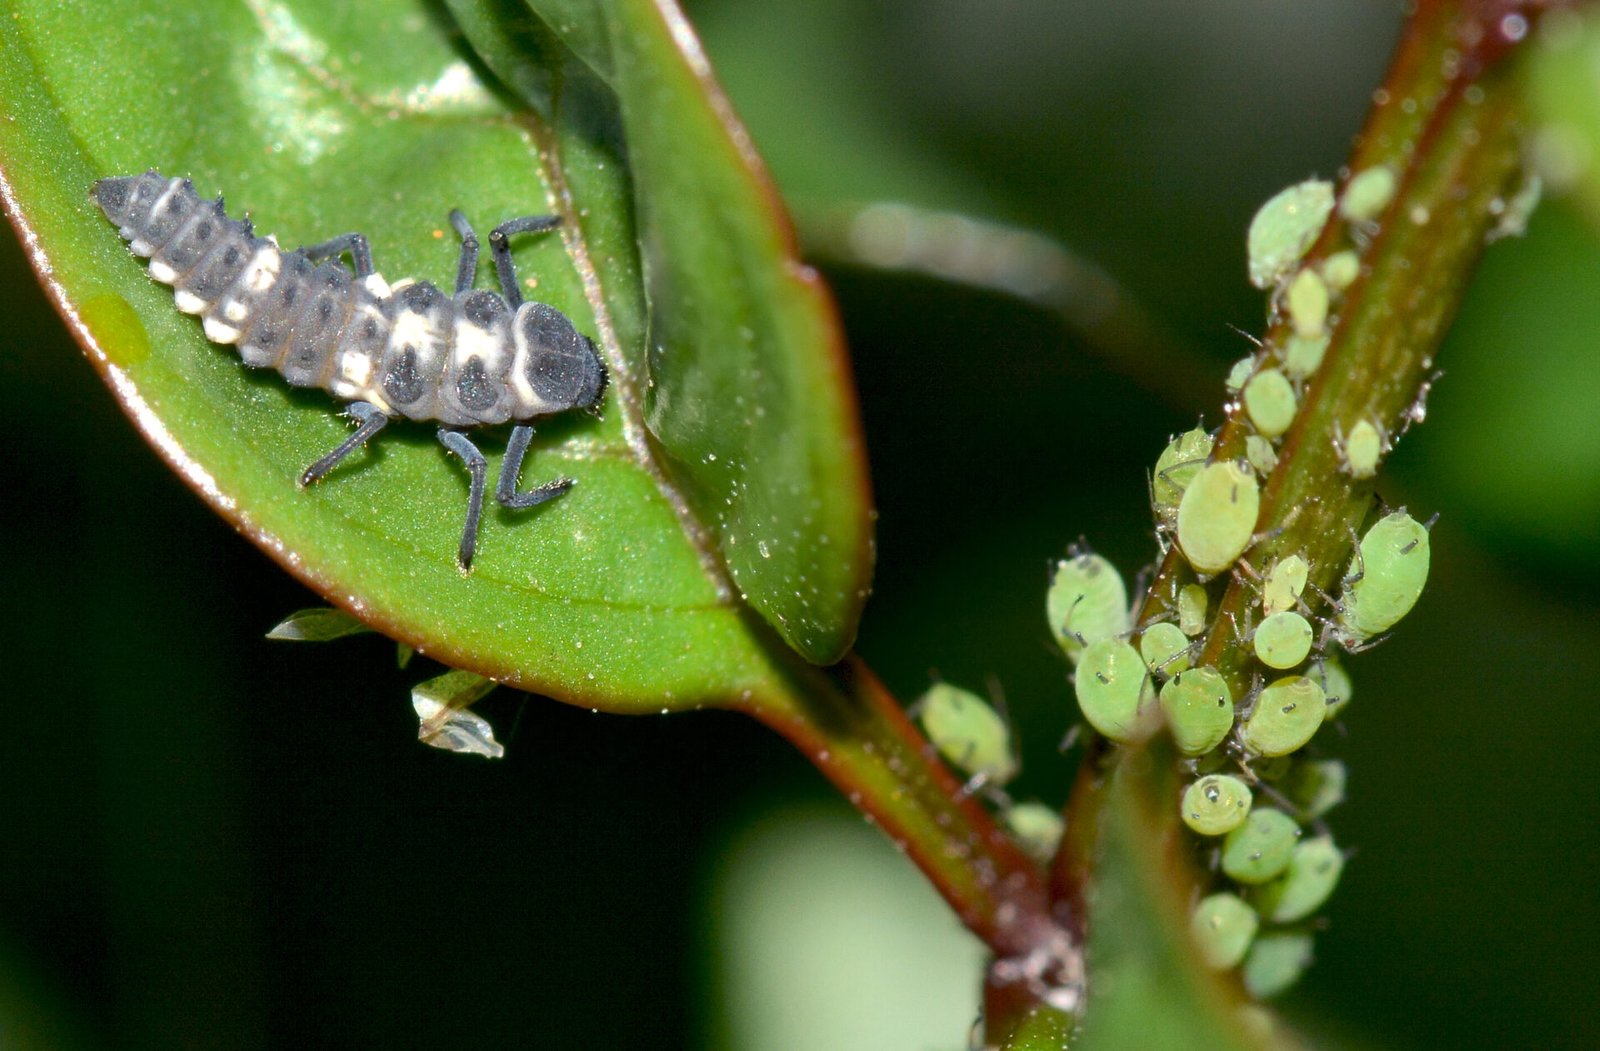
(1254,340)
(1274,793)
(1428,525)
(1071,739)
(516,720)
(997,696)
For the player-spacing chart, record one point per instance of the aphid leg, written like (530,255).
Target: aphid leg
(505,489)
(478,468)
(500,248)
(467,269)
(372,421)
(356,244)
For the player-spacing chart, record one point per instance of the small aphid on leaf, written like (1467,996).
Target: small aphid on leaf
(1165,649)
(1386,578)
(1192,602)
(1284,583)
(1223,927)
(1260,848)
(1308,305)
(1340,270)
(1315,786)
(1314,870)
(1176,467)
(1087,602)
(1285,228)
(1239,374)
(445,719)
(1216,804)
(1198,707)
(1262,456)
(1217,515)
(1287,713)
(1368,194)
(1283,640)
(1362,450)
(1275,962)
(969,734)
(1038,829)
(408,351)
(1270,400)
(1302,356)
(1113,688)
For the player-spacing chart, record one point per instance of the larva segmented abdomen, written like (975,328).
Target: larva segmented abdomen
(416,352)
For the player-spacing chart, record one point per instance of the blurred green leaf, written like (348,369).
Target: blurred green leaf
(317,120)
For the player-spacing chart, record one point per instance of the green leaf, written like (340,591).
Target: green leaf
(318,120)
(748,391)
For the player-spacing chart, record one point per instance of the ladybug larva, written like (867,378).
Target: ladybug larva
(408,350)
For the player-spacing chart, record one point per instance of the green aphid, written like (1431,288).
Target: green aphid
(1285,228)
(1368,194)
(1270,401)
(1165,649)
(1284,583)
(1285,717)
(1239,373)
(1223,927)
(1301,890)
(1198,707)
(1341,269)
(1308,304)
(1192,602)
(1217,515)
(1275,962)
(1087,602)
(1113,689)
(1302,356)
(1283,640)
(1315,786)
(1335,682)
(1386,577)
(1363,449)
(1038,829)
(1179,462)
(1260,848)
(969,734)
(1262,456)
(1216,804)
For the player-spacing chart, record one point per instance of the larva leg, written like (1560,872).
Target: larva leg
(477,467)
(467,269)
(372,420)
(356,244)
(500,248)
(505,489)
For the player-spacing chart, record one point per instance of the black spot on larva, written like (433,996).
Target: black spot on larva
(483,309)
(401,382)
(473,389)
(191,243)
(421,297)
(170,211)
(214,274)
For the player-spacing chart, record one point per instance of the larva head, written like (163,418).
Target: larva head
(561,366)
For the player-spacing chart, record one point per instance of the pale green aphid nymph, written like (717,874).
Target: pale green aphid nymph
(1192,602)
(1285,581)
(1368,194)
(1283,640)
(1275,962)
(1223,927)
(1284,229)
(1363,449)
(1386,578)
(968,733)
(1087,602)
(1113,688)
(1198,707)
(1260,848)
(1217,516)
(1269,399)
(1313,872)
(1165,648)
(1216,804)
(1176,467)
(1308,304)
(1286,715)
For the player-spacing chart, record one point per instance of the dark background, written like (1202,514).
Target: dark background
(211,840)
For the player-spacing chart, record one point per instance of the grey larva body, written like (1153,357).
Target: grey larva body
(477,358)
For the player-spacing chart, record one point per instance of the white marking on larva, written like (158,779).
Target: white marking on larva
(404,282)
(414,328)
(219,331)
(188,302)
(262,271)
(173,185)
(354,368)
(162,272)
(474,342)
(377,285)
(140,247)
(234,310)
(528,403)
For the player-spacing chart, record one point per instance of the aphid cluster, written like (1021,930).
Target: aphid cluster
(405,350)
(1259,791)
